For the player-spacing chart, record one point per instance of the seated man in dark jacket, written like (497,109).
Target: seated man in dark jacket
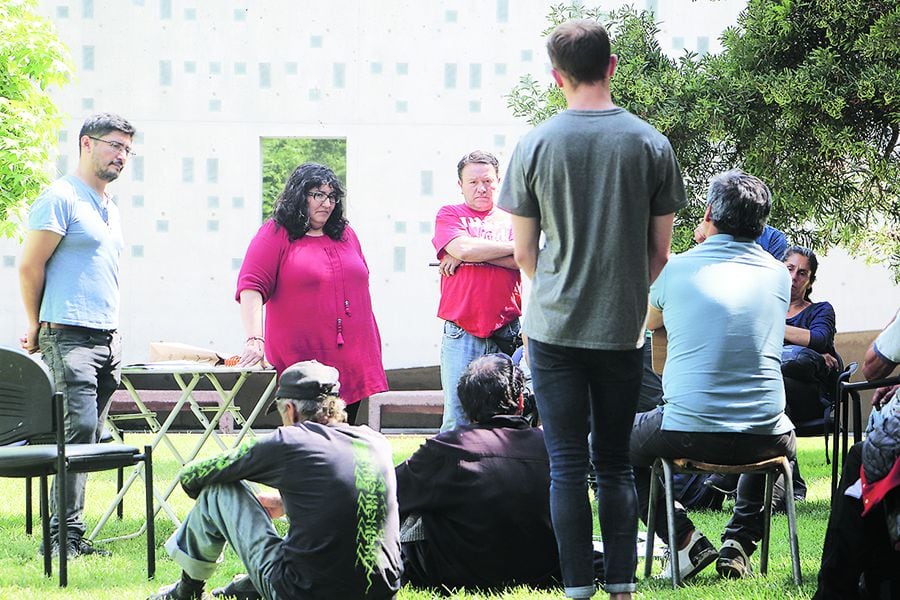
(475,501)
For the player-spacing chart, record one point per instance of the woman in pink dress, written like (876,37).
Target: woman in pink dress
(306,266)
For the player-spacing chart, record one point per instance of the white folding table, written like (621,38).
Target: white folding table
(187,376)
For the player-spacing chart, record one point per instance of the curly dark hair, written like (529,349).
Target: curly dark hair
(292,210)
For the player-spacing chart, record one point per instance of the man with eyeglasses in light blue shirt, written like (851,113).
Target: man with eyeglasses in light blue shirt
(69,278)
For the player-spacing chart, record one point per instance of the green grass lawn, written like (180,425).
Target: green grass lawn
(123,575)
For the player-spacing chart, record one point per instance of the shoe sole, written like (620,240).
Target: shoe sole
(732,568)
(706,559)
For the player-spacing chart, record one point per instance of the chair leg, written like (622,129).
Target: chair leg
(148,501)
(767,520)
(63,536)
(651,517)
(670,523)
(120,481)
(792,523)
(28,501)
(45,525)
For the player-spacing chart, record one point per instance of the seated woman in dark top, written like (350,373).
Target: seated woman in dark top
(809,362)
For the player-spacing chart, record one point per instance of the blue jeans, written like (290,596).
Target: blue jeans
(230,513)
(577,390)
(458,349)
(86,368)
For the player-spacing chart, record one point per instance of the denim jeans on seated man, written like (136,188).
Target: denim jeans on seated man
(576,387)
(86,368)
(649,442)
(458,349)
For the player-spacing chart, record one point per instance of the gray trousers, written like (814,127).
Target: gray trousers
(86,369)
(227,513)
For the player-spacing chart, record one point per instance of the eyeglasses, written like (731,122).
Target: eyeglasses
(117,146)
(320,197)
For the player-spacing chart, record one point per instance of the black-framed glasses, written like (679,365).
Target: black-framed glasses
(320,197)
(117,146)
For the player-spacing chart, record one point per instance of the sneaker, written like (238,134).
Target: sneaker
(179,591)
(240,588)
(74,548)
(733,561)
(693,558)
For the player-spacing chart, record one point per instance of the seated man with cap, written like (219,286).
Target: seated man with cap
(334,481)
(475,500)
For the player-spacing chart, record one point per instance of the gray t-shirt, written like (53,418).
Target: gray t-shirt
(593,179)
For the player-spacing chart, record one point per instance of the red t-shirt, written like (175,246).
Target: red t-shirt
(479,297)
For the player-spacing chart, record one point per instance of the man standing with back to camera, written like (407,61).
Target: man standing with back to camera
(602,186)
(69,278)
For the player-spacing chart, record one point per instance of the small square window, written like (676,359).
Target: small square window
(87,58)
(400,227)
(190,14)
(212,225)
(236,263)
(399,259)
(315,41)
(449,76)
(212,202)
(338,72)
(375,68)
(500,69)
(240,68)
(212,170)
(187,170)
(402,106)
(62,12)
(527,55)
(137,168)
(474,76)
(315,94)
(9,260)
(63,136)
(499,140)
(240,14)
(215,68)
(165,9)
(502,11)
(190,66)
(677,43)
(137,251)
(475,106)
(426,179)
(237,202)
(215,105)
(403,68)
(62,164)
(450,16)
(87,9)
(139,137)
(702,44)
(87,103)
(165,72)
(162,226)
(425,227)
(137,201)
(265,75)
(291,68)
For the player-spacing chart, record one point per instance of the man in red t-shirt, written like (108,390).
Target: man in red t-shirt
(480,283)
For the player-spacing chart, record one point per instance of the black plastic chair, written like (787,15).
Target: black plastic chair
(31,409)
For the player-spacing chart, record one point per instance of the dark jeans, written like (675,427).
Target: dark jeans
(575,387)
(86,369)
(649,442)
(855,544)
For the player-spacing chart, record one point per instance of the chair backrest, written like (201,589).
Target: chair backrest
(26,397)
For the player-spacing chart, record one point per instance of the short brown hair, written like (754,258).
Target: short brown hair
(479,157)
(580,50)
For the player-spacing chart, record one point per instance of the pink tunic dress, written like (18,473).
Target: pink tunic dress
(316,292)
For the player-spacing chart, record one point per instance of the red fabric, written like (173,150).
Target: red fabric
(316,292)
(873,493)
(479,297)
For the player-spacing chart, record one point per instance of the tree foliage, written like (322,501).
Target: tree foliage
(33,59)
(280,156)
(805,95)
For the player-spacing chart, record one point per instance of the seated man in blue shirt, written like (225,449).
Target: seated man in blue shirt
(723,305)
